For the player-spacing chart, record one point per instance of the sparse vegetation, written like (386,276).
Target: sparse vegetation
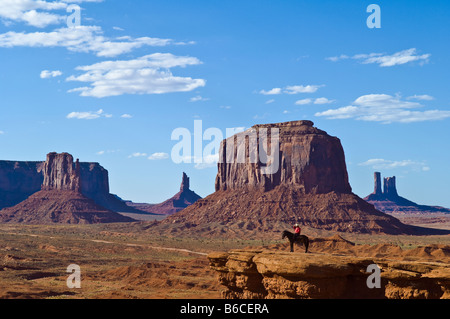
(125,261)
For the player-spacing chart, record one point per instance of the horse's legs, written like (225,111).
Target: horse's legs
(292,246)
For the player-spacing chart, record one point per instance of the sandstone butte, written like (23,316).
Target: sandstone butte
(19,180)
(310,187)
(61,199)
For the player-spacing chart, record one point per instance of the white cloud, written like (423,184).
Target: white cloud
(107,152)
(383,164)
(274,91)
(270,101)
(384,108)
(323,100)
(398,58)
(304,102)
(137,154)
(337,58)
(27,11)
(424,97)
(86,39)
(385,60)
(149,74)
(295,89)
(198,98)
(158,156)
(88,115)
(126,116)
(36,13)
(292,89)
(318,101)
(46,74)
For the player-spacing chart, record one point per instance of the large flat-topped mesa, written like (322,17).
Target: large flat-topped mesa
(310,186)
(306,157)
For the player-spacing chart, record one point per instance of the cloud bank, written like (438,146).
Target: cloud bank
(385,109)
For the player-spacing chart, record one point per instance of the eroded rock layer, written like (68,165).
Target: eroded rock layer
(258,274)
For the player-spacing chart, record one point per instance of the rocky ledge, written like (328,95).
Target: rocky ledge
(259,274)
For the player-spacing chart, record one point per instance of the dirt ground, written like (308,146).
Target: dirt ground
(119,262)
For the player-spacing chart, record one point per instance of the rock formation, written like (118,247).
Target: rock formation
(19,180)
(60,199)
(59,207)
(184,198)
(310,186)
(60,173)
(378,190)
(390,187)
(306,157)
(388,200)
(259,274)
(184,183)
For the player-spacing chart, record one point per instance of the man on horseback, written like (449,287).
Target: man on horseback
(296,238)
(297,231)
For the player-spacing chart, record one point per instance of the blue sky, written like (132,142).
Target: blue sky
(113,89)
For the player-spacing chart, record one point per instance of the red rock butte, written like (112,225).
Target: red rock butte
(60,199)
(310,187)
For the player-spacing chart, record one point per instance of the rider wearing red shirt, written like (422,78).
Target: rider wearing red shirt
(297,230)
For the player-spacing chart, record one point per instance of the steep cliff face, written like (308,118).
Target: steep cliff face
(300,155)
(258,274)
(60,173)
(19,180)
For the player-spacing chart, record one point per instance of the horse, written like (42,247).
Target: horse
(301,239)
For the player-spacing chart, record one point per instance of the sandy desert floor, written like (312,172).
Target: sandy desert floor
(126,263)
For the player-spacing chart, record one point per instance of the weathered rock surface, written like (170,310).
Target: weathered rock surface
(60,173)
(308,158)
(19,180)
(388,200)
(259,274)
(310,187)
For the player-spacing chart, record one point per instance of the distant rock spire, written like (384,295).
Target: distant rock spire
(184,183)
(390,187)
(377,187)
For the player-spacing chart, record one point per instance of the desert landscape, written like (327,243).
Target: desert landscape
(120,262)
(227,245)
(187,156)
